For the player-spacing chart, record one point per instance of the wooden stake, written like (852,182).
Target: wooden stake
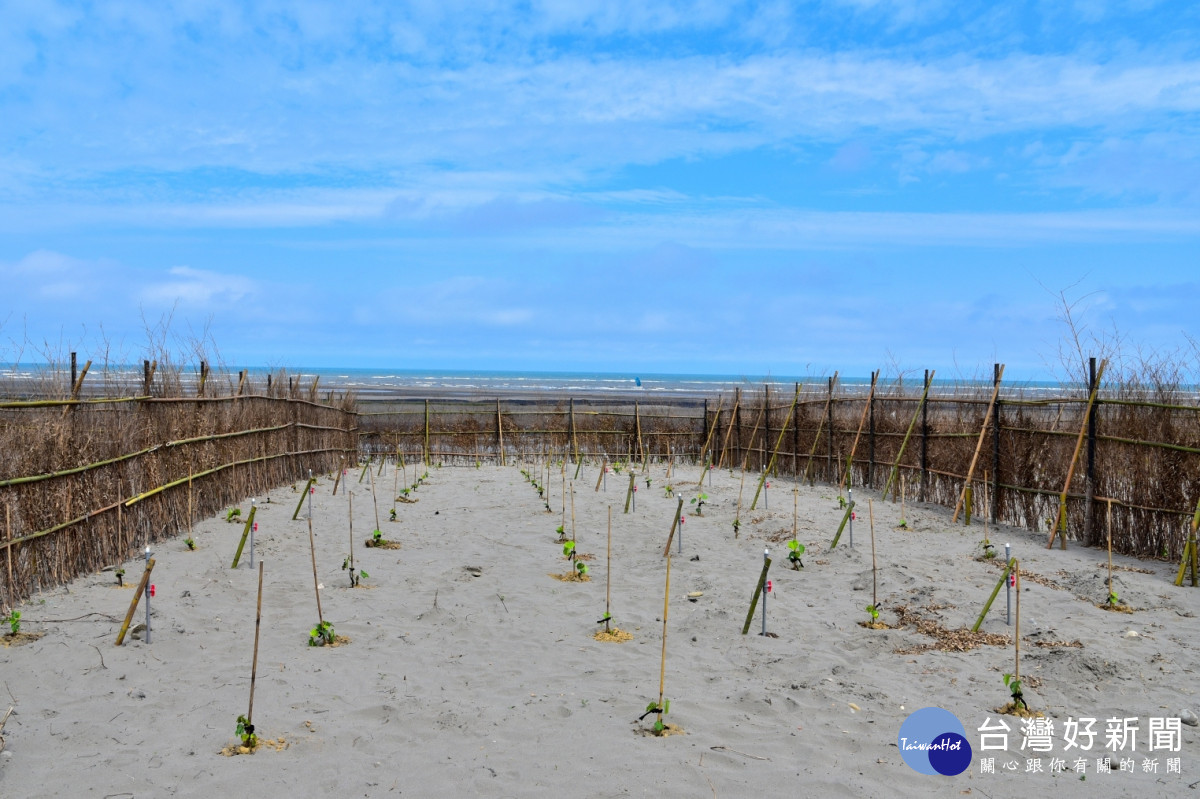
(500,430)
(341,468)
(237,556)
(254,662)
(8,525)
(896,465)
(1060,523)
(608,576)
(629,491)
(603,469)
(674,524)
(874,582)
(779,442)
(987,419)
(312,548)
(573,538)
(662,669)
(350,506)
(1017,629)
(374,501)
(741,486)
(820,426)
(758,589)
(862,421)
(133,605)
(1108,529)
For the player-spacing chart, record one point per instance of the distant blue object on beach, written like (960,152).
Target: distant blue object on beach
(638,380)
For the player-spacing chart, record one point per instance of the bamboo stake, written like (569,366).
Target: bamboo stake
(350,507)
(729,432)
(573,538)
(1060,523)
(662,669)
(300,504)
(603,470)
(1108,529)
(738,516)
(237,556)
(374,501)
(1008,568)
(704,454)
(608,576)
(133,605)
(986,504)
(1017,629)
(820,426)
(8,549)
(341,468)
(189,506)
(874,581)
(1189,550)
(987,419)
(312,548)
(637,419)
(896,466)
(499,429)
(254,662)
(778,443)
(861,423)
(396,480)
(753,433)
(758,589)
(629,491)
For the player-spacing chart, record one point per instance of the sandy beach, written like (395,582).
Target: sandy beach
(470,671)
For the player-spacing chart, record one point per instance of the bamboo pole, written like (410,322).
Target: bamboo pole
(312,549)
(629,491)
(427,432)
(1008,568)
(861,422)
(778,443)
(608,577)
(708,438)
(499,428)
(753,433)
(350,512)
(812,453)
(662,669)
(254,662)
(573,538)
(758,588)
(738,516)
(737,398)
(637,420)
(874,579)
(1017,619)
(987,420)
(374,501)
(896,466)
(1060,522)
(245,533)
(133,605)
(8,549)
(341,468)
(845,518)
(299,505)
(603,469)
(1108,530)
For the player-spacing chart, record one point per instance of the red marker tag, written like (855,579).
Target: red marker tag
(256,527)
(151,589)
(768,485)
(1012,579)
(682,519)
(770,588)
(853,516)
(312,489)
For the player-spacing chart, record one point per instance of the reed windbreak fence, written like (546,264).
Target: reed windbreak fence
(86,483)
(1140,455)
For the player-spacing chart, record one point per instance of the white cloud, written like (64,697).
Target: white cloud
(197,288)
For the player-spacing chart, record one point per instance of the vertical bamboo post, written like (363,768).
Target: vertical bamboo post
(574,437)
(829,472)
(874,580)
(573,538)
(733,417)
(8,550)
(629,491)
(374,501)
(994,508)
(861,421)
(662,669)
(738,517)
(812,453)
(608,577)
(871,431)
(637,420)
(500,430)
(1108,529)
(796,442)
(925,442)
(1090,467)
(1017,628)
(895,471)
(426,454)
(312,549)
(987,419)
(350,513)
(254,662)
(1060,523)
(737,414)
(766,417)
(762,478)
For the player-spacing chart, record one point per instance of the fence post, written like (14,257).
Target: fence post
(1089,512)
(499,427)
(766,411)
(426,447)
(795,439)
(995,509)
(829,437)
(574,441)
(704,433)
(737,418)
(925,441)
(73,373)
(871,433)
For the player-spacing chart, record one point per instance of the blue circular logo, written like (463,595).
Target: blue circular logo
(933,741)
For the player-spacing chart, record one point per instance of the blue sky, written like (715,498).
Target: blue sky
(712,187)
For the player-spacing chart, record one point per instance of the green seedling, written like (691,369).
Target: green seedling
(569,550)
(795,550)
(13,621)
(581,567)
(392,515)
(989,549)
(322,634)
(654,708)
(841,503)
(233,514)
(355,574)
(377,537)
(189,542)
(120,573)
(737,525)
(561,533)
(245,731)
(1113,599)
(1014,686)
(699,501)
(874,612)
(616,468)
(904,525)
(647,482)
(669,491)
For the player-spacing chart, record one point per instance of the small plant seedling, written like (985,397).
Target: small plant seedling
(670,491)
(654,708)
(795,550)
(989,549)
(1113,599)
(562,535)
(13,621)
(189,542)
(699,501)
(322,634)
(392,515)
(874,612)
(841,502)
(377,537)
(903,525)
(569,550)
(120,573)
(405,492)
(233,514)
(355,574)
(581,567)
(617,468)
(1014,686)
(245,731)
(737,525)
(647,482)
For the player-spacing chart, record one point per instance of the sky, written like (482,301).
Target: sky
(684,186)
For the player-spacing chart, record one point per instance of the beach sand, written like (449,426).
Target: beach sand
(470,671)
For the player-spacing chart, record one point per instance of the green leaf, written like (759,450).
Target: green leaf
(666,706)
(651,706)
(659,726)
(363,574)
(796,547)
(581,567)
(568,548)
